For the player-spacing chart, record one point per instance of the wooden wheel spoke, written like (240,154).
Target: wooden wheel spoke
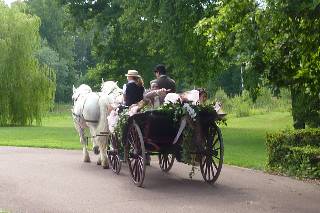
(211,167)
(136,162)
(138,170)
(205,168)
(216,157)
(208,168)
(215,142)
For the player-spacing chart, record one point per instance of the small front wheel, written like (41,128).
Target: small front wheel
(166,161)
(114,154)
(115,163)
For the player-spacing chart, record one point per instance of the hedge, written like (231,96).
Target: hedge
(294,153)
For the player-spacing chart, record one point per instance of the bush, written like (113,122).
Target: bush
(294,153)
(241,106)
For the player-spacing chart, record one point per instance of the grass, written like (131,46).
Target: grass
(57,131)
(244,138)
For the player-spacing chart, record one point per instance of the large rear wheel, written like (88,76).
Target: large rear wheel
(136,156)
(212,159)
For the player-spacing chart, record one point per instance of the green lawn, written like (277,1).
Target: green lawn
(57,131)
(243,137)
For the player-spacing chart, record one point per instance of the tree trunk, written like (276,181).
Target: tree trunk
(297,108)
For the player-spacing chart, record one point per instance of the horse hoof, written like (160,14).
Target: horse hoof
(98,162)
(86,159)
(106,166)
(96,150)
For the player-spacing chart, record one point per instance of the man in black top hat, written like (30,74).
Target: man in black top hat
(163,80)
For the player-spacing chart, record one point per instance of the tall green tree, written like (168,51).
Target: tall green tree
(277,41)
(27,88)
(140,34)
(233,37)
(291,51)
(58,41)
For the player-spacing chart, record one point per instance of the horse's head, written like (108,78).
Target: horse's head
(81,90)
(111,88)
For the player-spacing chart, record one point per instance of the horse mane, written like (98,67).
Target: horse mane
(110,87)
(82,89)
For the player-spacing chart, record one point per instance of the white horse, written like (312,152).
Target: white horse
(111,89)
(90,110)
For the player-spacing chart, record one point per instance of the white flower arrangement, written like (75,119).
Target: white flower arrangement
(190,110)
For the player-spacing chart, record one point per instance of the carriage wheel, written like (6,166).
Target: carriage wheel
(115,163)
(166,161)
(212,158)
(136,154)
(114,156)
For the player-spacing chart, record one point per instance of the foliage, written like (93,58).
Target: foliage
(295,153)
(233,40)
(243,106)
(230,81)
(277,41)
(140,34)
(27,88)
(120,128)
(65,48)
(57,46)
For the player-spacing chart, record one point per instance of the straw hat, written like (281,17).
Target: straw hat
(133,73)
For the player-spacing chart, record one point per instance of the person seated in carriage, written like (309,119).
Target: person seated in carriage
(163,80)
(134,89)
(155,96)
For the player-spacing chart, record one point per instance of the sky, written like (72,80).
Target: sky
(9,1)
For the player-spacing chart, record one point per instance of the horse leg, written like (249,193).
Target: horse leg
(103,156)
(83,141)
(99,160)
(95,147)
(86,157)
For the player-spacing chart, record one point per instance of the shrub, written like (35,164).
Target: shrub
(294,153)
(241,107)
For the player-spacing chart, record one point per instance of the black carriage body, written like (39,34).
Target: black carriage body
(159,131)
(154,132)
(157,128)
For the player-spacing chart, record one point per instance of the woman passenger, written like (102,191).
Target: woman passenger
(133,90)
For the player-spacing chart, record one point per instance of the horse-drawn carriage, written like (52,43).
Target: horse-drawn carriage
(195,140)
(187,132)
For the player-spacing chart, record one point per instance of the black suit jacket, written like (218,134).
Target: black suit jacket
(133,93)
(165,82)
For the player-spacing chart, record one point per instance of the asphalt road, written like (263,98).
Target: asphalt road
(48,180)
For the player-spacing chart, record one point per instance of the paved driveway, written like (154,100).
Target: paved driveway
(48,180)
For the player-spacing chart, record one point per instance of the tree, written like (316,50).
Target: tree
(232,35)
(141,34)
(292,54)
(57,41)
(27,88)
(278,42)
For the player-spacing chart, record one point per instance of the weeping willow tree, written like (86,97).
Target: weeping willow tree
(26,88)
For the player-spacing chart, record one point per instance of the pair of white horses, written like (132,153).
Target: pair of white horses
(90,110)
